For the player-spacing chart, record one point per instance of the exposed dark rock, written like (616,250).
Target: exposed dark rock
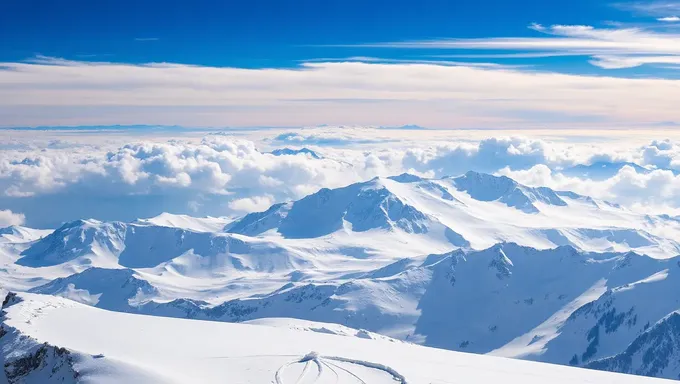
(55,362)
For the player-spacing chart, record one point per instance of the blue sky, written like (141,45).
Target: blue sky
(259,34)
(585,38)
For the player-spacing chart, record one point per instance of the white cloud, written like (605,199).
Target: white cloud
(669,19)
(332,137)
(617,62)
(657,8)
(634,46)
(647,192)
(252,204)
(51,91)
(8,218)
(223,175)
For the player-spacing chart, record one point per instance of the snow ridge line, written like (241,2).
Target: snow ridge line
(397,376)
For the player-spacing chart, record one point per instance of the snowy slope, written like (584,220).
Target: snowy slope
(19,234)
(601,170)
(475,210)
(476,263)
(319,327)
(52,340)
(608,325)
(656,352)
(196,224)
(507,300)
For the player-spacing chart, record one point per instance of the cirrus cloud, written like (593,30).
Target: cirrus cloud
(609,48)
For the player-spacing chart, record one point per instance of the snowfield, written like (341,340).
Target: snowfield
(476,263)
(49,339)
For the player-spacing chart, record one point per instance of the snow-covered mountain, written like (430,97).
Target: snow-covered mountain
(474,210)
(476,263)
(46,339)
(601,170)
(535,302)
(19,234)
(656,352)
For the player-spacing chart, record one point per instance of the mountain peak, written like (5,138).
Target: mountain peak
(14,231)
(485,187)
(72,240)
(406,178)
(292,152)
(361,206)
(256,223)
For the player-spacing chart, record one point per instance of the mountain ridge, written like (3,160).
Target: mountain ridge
(476,263)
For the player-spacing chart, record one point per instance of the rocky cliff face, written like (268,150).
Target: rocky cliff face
(656,352)
(26,361)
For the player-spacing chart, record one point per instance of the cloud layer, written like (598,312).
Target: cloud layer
(53,91)
(223,175)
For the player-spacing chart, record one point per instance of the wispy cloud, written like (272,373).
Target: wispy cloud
(619,62)
(669,19)
(368,59)
(146,39)
(517,55)
(634,46)
(661,8)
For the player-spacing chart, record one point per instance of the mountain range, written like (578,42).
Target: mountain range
(476,263)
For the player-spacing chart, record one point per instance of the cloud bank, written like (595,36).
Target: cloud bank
(52,91)
(222,175)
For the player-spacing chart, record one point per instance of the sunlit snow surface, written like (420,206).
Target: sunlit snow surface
(476,263)
(110,347)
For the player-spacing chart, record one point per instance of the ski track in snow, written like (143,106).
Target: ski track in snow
(330,365)
(335,366)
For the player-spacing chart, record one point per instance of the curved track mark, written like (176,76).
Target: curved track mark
(359,379)
(337,377)
(327,361)
(396,375)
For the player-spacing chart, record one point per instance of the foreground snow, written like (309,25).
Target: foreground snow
(86,344)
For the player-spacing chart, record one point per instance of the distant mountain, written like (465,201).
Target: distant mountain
(484,187)
(292,152)
(19,234)
(410,127)
(113,289)
(84,243)
(601,170)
